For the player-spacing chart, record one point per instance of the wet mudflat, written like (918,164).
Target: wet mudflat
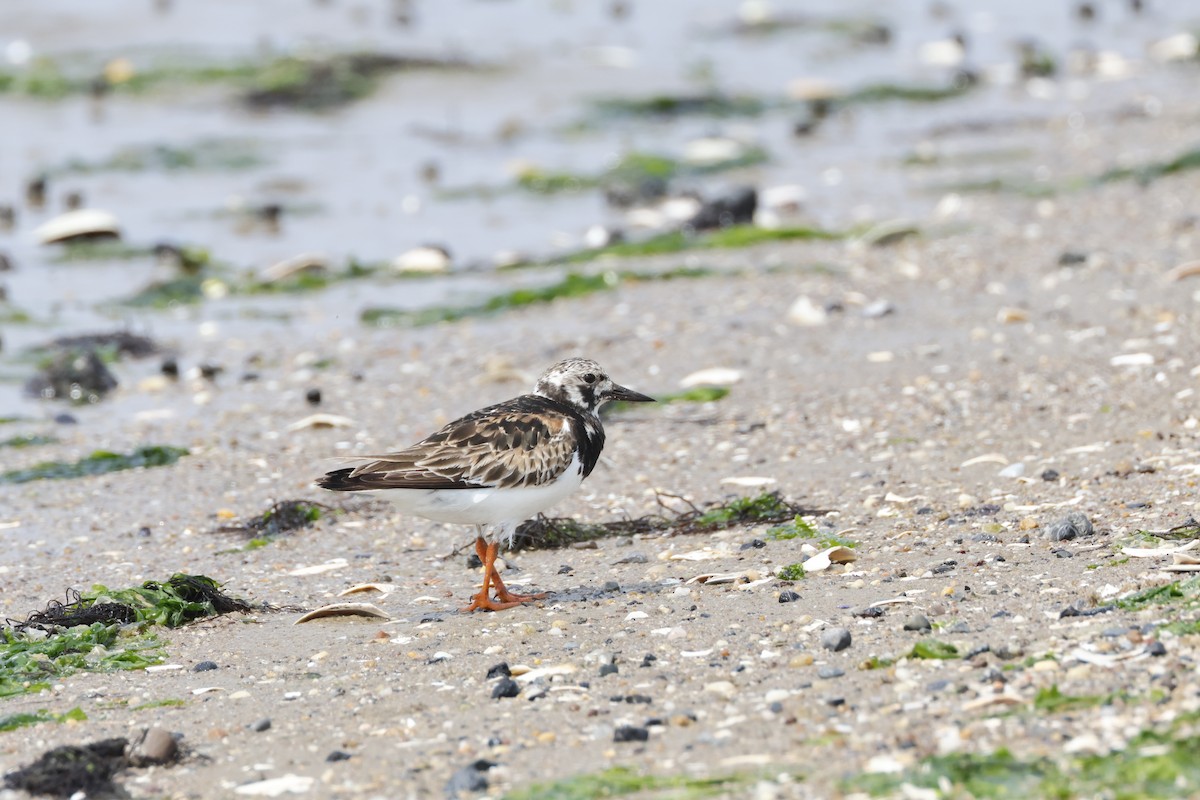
(917,520)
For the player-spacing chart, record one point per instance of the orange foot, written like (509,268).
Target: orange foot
(481,602)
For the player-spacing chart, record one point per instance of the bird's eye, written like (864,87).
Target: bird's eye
(589,378)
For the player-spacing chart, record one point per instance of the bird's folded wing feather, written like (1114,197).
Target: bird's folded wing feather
(493,447)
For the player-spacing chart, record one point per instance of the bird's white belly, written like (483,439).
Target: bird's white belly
(485,506)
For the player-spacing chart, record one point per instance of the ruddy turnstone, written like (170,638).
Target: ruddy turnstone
(499,465)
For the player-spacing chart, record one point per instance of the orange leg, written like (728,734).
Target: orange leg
(483,601)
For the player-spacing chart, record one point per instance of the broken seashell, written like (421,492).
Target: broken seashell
(692,555)
(716,578)
(1132,360)
(1154,552)
(999,699)
(344,610)
(1009,315)
(986,458)
(695,653)
(891,601)
(321,421)
(748,482)
(85,223)
(1107,660)
(385,588)
(828,557)
(303,264)
(713,376)
(806,313)
(275,787)
(427,259)
(1186,270)
(527,675)
(207,689)
(888,233)
(317,569)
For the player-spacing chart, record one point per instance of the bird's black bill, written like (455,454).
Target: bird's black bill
(629,395)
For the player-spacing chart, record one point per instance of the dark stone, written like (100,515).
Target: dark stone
(631,733)
(1050,475)
(470,779)
(735,208)
(608,669)
(985,537)
(835,701)
(205,666)
(1069,527)
(633,558)
(1062,552)
(649,659)
(261,725)
(788,596)
(313,397)
(80,377)
(565,569)
(830,672)
(65,419)
(979,649)
(942,569)
(753,544)
(610,586)
(144,532)
(500,670)
(1069,257)
(507,687)
(474,562)
(870,612)
(338,755)
(1157,648)
(210,371)
(937,686)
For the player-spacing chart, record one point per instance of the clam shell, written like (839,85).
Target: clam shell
(321,421)
(828,557)
(345,610)
(296,265)
(317,569)
(85,223)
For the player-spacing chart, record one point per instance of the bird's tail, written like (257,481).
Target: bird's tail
(340,481)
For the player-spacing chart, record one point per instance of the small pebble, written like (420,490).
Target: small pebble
(1050,475)
(753,544)
(565,569)
(1157,649)
(649,659)
(500,670)
(608,669)
(788,596)
(156,746)
(338,755)
(917,622)
(261,725)
(835,639)
(830,672)
(610,586)
(507,687)
(835,701)
(313,397)
(632,558)
(631,733)
(1062,552)
(470,779)
(169,367)
(205,666)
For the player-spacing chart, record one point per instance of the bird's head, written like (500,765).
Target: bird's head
(582,383)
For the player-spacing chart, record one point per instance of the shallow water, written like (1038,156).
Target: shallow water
(350,178)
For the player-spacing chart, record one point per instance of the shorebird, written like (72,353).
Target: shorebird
(500,465)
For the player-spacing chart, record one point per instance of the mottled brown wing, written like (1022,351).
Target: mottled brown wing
(506,445)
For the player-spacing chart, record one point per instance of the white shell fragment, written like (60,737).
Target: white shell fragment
(527,675)
(362,588)
(748,481)
(806,313)
(344,610)
(1132,360)
(84,223)
(1106,659)
(713,376)
(296,265)
(986,458)
(828,557)
(999,699)
(317,569)
(422,259)
(1155,552)
(321,421)
(716,578)
(277,787)
(1187,269)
